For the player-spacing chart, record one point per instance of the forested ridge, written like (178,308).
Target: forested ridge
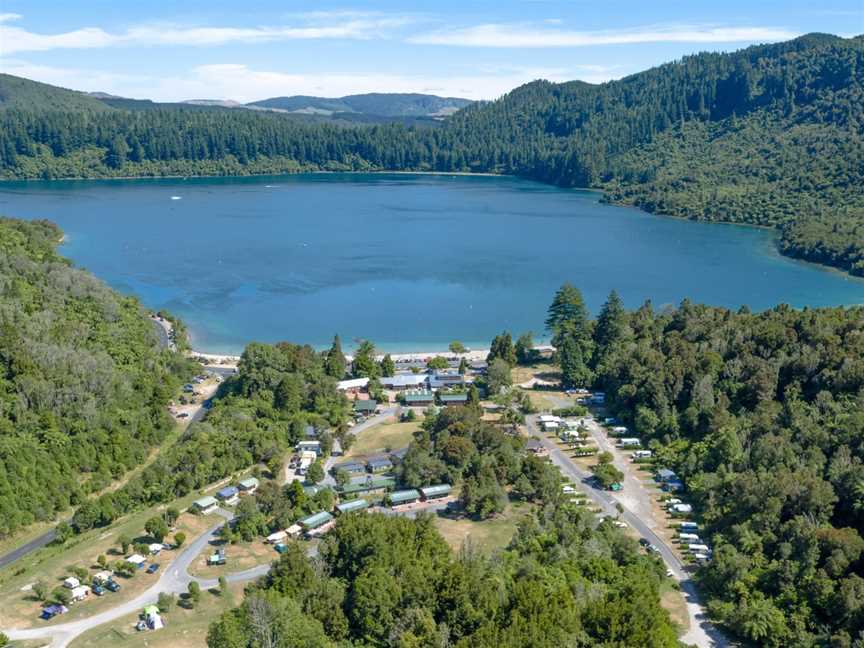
(769,135)
(762,416)
(256,417)
(83,385)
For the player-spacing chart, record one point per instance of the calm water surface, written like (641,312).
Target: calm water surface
(411,262)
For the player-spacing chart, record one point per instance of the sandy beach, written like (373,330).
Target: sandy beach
(472,355)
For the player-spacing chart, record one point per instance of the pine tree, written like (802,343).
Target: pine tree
(364,365)
(574,353)
(567,311)
(388,367)
(334,362)
(611,325)
(502,347)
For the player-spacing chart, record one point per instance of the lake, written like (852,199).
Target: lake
(408,261)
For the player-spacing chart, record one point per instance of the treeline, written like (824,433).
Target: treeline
(391,581)
(258,415)
(762,415)
(84,386)
(769,135)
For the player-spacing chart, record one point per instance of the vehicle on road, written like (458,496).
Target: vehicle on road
(153,568)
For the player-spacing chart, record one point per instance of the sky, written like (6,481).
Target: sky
(477,49)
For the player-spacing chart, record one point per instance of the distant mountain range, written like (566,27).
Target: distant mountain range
(376,103)
(16,92)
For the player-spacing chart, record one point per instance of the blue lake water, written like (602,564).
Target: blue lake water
(410,262)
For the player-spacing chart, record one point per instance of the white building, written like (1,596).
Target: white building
(279,536)
(355,384)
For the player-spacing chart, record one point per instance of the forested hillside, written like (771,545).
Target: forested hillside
(762,415)
(256,417)
(769,135)
(83,385)
(391,581)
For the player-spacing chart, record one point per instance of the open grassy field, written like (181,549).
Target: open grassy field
(541,371)
(673,602)
(239,557)
(20,608)
(379,438)
(490,535)
(183,628)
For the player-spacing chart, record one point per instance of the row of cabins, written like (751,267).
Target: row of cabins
(319,523)
(228,496)
(406,382)
(375,465)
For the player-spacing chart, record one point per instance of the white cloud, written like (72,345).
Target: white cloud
(343,25)
(242,83)
(7,17)
(523,35)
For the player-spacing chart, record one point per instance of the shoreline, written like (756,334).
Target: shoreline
(472,355)
(210,176)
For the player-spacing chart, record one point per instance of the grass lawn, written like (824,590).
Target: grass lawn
(378,438)
(183,628)
(489,535)
(541,371)
(240,556)
(19,608)
(546,401)
(673,602)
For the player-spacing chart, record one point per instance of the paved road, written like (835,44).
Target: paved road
(164,336)
(23,550)
(174,579)
(701,633)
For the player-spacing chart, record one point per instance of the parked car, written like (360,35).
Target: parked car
(644,542)
(153,568)
(98,590)
(112,586)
